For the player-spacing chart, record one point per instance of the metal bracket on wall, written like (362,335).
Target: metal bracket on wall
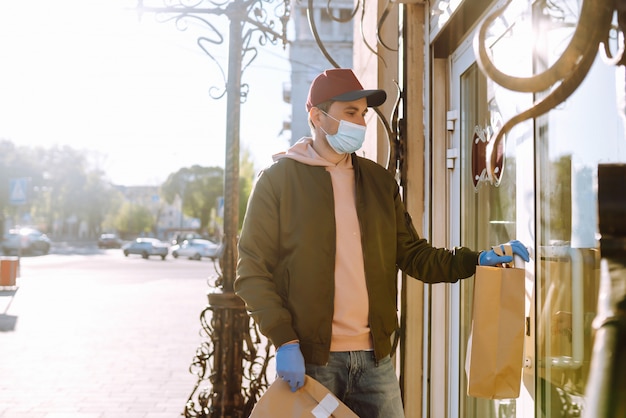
(451,155)
(451,117)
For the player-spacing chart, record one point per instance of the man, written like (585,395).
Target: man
(324,234)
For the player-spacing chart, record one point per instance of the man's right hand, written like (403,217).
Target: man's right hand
(497,255)
(290,365)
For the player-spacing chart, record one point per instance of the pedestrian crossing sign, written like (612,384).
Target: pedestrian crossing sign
(18,191)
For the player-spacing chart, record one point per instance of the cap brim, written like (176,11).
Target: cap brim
(374,97)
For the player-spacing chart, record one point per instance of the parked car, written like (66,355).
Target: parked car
(109,241)
(146,247)
(196,249)
(25,241)
(183,236)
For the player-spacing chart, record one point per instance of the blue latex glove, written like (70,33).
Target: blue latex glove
(497,254)
(290,365)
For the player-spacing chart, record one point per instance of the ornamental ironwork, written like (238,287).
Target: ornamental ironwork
(593,30)
(229,365)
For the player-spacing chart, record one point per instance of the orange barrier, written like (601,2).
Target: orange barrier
(8,270)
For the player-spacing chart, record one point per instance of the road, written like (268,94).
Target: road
(98,335)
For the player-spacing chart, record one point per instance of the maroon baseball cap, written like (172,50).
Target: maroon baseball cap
(340,84)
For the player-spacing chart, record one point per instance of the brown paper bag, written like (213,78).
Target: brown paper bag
(495,350)
(311,400)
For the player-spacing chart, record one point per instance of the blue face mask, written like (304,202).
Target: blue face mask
(349,136)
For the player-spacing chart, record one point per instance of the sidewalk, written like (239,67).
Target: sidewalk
(73,346)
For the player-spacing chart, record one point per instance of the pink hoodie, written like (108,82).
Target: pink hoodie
(350,320)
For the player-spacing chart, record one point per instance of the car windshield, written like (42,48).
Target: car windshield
(203,242)
(23,232)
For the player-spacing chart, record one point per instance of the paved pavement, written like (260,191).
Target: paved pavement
(91,337)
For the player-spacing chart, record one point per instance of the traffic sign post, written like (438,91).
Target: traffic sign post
(18,190)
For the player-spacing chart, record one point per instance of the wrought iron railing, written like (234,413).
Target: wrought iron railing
(231,363)
(229,366)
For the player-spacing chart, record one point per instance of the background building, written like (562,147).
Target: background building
(307,60)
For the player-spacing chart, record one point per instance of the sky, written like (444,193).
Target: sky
(131,92)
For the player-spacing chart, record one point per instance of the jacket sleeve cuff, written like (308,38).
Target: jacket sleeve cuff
(281,335)
(468,261)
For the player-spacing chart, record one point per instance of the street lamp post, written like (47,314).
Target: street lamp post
(231,340)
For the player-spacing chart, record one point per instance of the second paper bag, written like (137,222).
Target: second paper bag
(312,400)
(495,350)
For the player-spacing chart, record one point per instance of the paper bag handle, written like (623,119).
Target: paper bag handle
(506,249)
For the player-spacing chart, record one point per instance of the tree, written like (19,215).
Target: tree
(62,193)
(198,187)
(16,163)
(246,180)
(102,199)
(133,220)
(69,193)
(115,203)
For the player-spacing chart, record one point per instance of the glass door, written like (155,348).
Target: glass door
(543,194)
(572,140)
(489,213)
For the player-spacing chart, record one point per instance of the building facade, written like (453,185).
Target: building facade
(491,143)
(306,58)
(169,218)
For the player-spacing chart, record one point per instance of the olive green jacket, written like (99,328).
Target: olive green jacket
(285,272)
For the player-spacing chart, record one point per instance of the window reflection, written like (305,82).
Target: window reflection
(568,144)
(570,141)
(488,217)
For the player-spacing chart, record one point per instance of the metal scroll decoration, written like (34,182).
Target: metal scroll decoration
(480,140)
(594,29)
(230,364)
(259,27)
(393,126)
(219,332)
(480,155)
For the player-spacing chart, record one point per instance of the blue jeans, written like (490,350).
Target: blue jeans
(371,390)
